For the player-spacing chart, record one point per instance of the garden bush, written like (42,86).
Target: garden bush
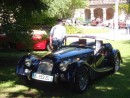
(73,29)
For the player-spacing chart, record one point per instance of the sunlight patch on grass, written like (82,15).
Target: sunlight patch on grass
(6,84)
(14,89)
(118,73)
(104,88)
(10,87)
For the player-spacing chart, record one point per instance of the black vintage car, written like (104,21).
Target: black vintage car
(77,63)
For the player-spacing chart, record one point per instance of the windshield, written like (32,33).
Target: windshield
(79,41)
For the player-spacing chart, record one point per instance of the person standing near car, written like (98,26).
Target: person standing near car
(128,25)
(57,34)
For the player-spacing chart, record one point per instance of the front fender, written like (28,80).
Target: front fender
(21,67)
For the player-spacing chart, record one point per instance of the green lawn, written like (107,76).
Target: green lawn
(94,30)
(112,86)
(86,29)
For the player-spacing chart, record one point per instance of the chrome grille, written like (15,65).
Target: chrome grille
(45,66)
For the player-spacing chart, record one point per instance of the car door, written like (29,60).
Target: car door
(99,59)
(99,55)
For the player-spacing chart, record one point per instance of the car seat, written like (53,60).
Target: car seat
(98,46)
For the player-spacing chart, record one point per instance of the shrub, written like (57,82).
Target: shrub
(73,29)
(22,38)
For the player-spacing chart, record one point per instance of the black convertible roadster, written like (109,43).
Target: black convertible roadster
(77,63)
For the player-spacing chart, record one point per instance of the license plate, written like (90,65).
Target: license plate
(42,77)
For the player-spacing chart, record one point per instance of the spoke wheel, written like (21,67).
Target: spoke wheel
(82,79)
(116,63)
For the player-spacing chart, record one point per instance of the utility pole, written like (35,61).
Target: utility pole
(116,19)
(116,14)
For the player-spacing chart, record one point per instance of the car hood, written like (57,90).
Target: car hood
(71,52)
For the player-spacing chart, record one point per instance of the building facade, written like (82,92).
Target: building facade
(99,9)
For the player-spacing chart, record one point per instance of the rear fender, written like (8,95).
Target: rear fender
(117,52)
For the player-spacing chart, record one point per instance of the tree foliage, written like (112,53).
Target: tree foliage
(16,19)
(65,8)
(57,9)
(125,7)
(19,15)
(16,15)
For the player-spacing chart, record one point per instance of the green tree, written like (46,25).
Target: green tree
(58,9)
(16,18)
(125,7)
(16,15)
(65,8)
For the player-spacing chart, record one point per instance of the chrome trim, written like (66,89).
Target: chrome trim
(45,66)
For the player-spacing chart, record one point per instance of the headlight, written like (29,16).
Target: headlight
(27,62)
(63,65)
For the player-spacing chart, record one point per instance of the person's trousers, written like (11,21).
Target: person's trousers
(57,43)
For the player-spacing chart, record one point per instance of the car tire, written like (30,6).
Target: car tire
(116,63)
(81,79)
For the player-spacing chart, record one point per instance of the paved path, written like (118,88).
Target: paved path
(115,35)
(120,34)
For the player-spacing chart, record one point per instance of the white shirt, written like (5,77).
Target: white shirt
(58,31)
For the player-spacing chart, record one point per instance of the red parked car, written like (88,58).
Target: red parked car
(121,24)
(40,42)
(111,24)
